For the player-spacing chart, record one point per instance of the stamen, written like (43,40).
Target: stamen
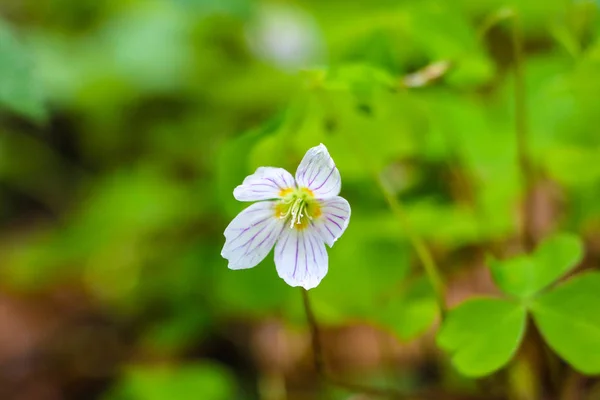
(299,207)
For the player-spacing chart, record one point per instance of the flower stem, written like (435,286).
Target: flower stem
(314,333)
(319,362)
(320,367)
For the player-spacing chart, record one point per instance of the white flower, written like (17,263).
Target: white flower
(297,216)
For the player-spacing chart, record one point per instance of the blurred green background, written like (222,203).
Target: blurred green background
(126,125)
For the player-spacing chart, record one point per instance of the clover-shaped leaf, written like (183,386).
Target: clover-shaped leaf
(569,321)
(483,334)
(526,275)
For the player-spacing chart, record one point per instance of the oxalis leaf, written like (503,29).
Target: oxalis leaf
(569,321)
(19,91)
(482,334)
(526,275)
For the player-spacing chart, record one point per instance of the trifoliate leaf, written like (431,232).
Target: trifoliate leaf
(569,320)
(526,275)
(482,334)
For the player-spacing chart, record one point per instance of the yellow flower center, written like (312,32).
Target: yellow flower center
(298,207)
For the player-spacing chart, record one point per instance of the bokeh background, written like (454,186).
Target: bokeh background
(126,124)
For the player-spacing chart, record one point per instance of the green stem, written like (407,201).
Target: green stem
(423,253)
(314,333)
(429,265)
(528,181)
(320,367)
(521,129)
(319,361)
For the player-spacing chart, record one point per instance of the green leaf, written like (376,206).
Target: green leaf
(526,275)
(232,162)
(197,381)
(19,92)
(482,334)
(210,7)
(569,320)
(413,311)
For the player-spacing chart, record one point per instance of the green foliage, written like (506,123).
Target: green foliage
(233,162)
(19,90)
(409,313)
(193,381)
(568,319)
(482,335)
(524,276)
(208,7)
(160,109)
(498,325)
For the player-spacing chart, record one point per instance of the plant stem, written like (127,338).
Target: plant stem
(429,265)
(423,253)
(319,362)
(528,236)
(314,333)
(320,367)
(521,129)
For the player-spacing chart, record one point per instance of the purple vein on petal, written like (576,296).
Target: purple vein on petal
(329,230)
(266,184)
(251,239)
(313,167)
(260,191)
(326,179)
(312,249)
(285,181)
(304,171)
(277,185)
(332,188)
(317,173)
(297,248)
(265,239)
(252,225)
(305,257)
(336,208)
(333,222)
(287,237)
(255,210)
(323,251)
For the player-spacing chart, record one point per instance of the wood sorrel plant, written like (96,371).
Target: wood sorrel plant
(483,334)
(297,216)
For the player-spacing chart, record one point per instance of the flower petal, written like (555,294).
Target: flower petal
(301,258)
(265,184)
(318,172)
(334,219)
(251,235)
